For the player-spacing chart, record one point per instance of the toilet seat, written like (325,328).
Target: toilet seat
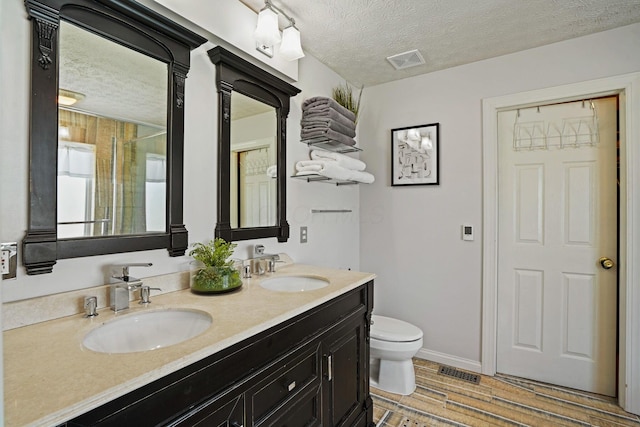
(393,330)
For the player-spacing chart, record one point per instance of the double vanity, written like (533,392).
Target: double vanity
(287,348)
(268,357)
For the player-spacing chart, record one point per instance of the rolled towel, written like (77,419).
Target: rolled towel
(311,125)
(327,133)
(310,165)
(342,160)
(322,101)
(331,169)
(328,113)
(272,171)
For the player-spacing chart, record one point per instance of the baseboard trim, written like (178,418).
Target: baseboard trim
(447,359)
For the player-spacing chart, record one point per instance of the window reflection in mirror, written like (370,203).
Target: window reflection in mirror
(112,142)
(253,174)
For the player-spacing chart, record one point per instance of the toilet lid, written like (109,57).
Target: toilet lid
(394,330)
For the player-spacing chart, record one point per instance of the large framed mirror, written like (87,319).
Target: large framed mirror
(107,121)
(253,106)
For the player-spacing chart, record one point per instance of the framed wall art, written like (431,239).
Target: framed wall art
(414,155)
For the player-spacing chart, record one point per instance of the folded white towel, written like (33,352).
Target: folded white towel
(342,160)
(272,171)
(331,169)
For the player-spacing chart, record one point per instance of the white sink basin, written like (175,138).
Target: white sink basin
(148,330)
(294,283)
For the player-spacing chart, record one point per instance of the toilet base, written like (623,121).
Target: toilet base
(393,376)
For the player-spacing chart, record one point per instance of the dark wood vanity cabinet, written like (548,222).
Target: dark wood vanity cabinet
(312,370)
(344,349)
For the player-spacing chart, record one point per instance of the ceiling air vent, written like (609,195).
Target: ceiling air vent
(404,60)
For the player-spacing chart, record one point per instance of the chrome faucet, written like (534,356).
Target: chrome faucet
(262,262)
(122,285)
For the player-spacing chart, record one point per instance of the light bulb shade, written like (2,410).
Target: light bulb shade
(290,48)
(267,31)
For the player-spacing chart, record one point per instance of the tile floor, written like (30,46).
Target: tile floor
(496,401)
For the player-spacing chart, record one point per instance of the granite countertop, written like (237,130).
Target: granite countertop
(50,377)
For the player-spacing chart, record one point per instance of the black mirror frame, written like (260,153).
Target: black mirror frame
(136,27)
(236,74)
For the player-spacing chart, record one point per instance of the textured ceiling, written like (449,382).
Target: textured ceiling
(117,82)
(354,37)
(121,83)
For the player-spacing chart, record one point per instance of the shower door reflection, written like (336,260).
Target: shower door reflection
(111,176)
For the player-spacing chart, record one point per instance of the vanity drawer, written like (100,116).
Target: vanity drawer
(304,410)
(297,373)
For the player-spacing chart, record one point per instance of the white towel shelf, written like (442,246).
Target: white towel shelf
(330,145)
(324,179)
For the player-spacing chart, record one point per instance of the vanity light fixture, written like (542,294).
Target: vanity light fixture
(69,97)
(267,33)
(290,49)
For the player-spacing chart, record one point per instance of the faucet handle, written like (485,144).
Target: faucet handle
(90,306)
(246,271)
(145,293)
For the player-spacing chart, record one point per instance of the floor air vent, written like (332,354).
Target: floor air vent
(461,375)
(408,422)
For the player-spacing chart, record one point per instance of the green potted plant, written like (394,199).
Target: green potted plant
(343,95)
(212,270)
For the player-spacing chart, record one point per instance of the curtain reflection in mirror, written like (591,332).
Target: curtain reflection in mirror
(103,182)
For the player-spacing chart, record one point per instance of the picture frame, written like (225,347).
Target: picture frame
(414,155)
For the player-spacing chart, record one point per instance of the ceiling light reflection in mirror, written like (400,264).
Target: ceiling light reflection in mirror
(112,139)
(253,192)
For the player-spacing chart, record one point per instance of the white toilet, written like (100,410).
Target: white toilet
(393,344)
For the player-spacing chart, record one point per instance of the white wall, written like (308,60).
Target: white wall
(410,236)
(227,23)
(253,128)
(199,180)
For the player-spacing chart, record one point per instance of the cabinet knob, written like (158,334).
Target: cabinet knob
(291,386)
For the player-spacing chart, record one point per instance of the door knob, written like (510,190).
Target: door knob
(606,263)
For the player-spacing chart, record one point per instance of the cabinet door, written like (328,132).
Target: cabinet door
(280,386)
(215,413)
(346,373)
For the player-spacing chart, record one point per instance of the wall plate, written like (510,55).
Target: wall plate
(467,232)
(264,49)
(8,260)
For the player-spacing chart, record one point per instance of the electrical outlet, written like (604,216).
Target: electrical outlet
(303,234)
(8,260)
(5,261)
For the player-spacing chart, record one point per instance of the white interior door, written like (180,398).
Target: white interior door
(557,190)
(257,189)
